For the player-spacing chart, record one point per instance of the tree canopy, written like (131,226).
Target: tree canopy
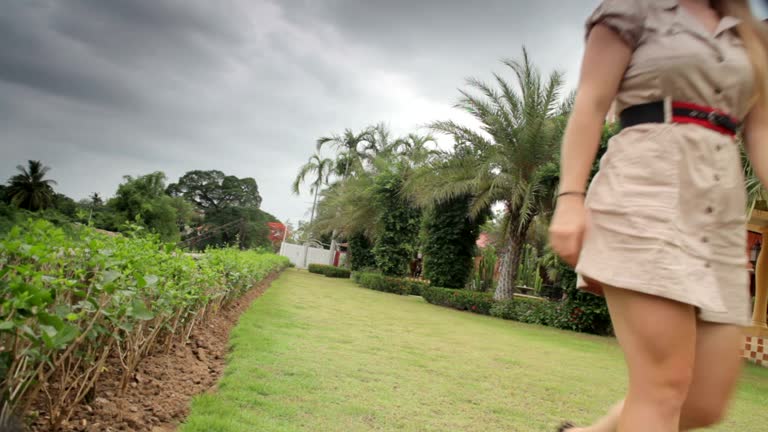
(29,189)
(215,190)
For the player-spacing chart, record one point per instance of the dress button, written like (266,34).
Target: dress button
(710,210)
(718,147)
(718,91)
(720,58)
(708,265)
(705,239)
(717,177)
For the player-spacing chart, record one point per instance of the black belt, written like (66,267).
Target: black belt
(682,112)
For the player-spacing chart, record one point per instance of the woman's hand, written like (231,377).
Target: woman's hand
(568,228)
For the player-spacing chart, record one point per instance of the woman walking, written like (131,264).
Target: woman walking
(661,232)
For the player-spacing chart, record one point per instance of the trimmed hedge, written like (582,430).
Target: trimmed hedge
(329,271)
(579,312)
(472,301)
(389,284)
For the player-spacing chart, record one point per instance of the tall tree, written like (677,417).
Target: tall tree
(351,149)
(512,161)
(215,190)
(321,170)
(415,149)
(96,200)
(30,189)
(143,200)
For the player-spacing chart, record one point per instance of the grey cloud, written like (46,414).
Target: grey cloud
(98,89)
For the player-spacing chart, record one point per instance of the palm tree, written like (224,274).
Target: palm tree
(30,189)
(511,161)
(351,148)
(321,168)
(415,149)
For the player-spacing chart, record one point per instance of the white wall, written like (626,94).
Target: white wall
(302,256)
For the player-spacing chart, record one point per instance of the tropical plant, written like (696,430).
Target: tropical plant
(29,189)
(321,169)
(529,272)
(511,161)
(351,150)
(415,149)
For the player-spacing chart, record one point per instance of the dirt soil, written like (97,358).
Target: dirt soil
(160,392)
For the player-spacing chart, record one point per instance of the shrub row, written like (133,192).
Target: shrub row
(69,300)
(329,271)
(473,301)
(578,311)
(389,284)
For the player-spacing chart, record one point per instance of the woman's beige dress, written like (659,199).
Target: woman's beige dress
(667,209)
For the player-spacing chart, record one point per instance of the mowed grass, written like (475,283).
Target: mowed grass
(319,354)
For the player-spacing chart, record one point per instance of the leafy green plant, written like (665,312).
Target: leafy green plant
(360,252)
(529,272)
(483,274)
(399,226)
(450,243)
(70,299)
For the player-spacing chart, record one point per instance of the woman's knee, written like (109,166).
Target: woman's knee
(666,387)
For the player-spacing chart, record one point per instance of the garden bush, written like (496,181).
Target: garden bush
(71,299)
(578,311)
(473,301)
(329,271)
(379,282)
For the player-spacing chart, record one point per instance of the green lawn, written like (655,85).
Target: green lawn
(319,354)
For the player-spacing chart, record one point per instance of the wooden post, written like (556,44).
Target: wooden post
(761,286)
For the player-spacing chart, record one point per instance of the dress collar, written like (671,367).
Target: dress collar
(726,23)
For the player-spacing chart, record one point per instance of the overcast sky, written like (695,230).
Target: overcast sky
(98,89)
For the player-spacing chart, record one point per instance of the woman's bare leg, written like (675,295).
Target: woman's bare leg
(715,374)
(658,337)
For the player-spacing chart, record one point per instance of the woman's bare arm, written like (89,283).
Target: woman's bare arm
(605,60)
(756,141)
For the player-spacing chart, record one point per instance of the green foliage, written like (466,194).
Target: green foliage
(582,311)
(68,300)
(529,271)
(329,271)
(29,189)
(529,311)
(379,282)
(360,252)
(399,223)
(143,200)
(482,278)
(513,162)
(449,247)
(213,189)
(472,301)
(252,234)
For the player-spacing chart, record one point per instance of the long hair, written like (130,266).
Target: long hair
(754,34)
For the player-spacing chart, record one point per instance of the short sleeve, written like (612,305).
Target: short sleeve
(625,17)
